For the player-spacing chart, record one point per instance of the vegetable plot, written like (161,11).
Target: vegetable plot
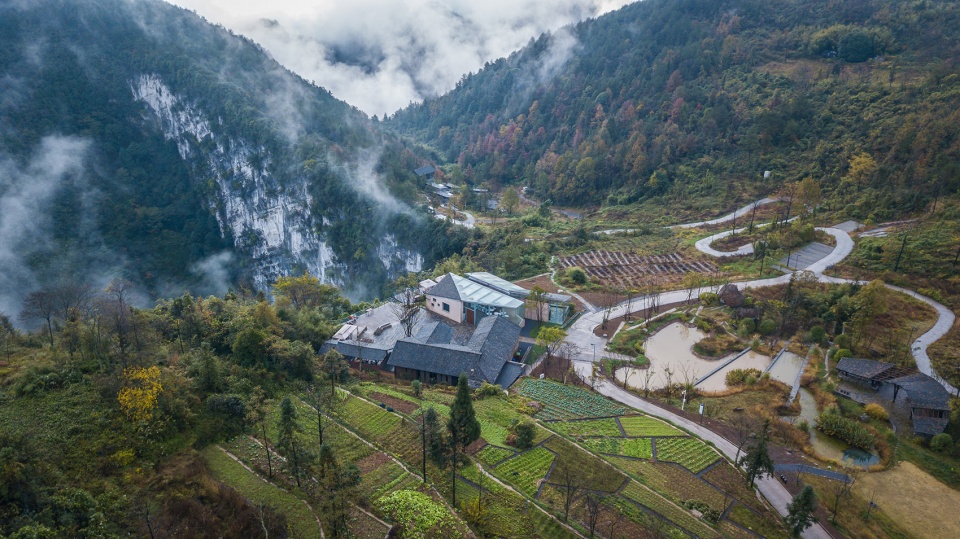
(642,425)
(640,448)
(690,453)
(526,470)
(590,427)
(568,402)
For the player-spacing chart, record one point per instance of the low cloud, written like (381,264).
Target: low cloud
(214,272)
(26,192)
(380,55)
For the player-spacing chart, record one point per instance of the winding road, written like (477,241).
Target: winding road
(586,344)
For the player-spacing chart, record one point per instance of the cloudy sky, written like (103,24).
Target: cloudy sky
(380,55)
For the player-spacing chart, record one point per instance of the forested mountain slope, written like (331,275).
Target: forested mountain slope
(137,140)
(694,99)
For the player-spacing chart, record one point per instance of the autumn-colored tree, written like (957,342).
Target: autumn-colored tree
(510,200)
(138,397)
(550,338)
(306,291)
(861,170)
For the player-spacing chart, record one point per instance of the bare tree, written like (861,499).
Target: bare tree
(538,300)
(570,484)
(841,490)
(614,522)
(406,309)
(743,426)
(593,503)
(647,378)
(753,214)
(40,306)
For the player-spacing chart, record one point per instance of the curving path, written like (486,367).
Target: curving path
(585,345)
(730,216)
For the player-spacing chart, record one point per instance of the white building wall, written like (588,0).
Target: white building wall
(435,305)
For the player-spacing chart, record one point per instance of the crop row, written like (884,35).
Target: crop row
(642,425)
(527,469)
(388,477)
(589,427)
(592,472)
(690,453)
(674,482)
(647,498)
(568,402)
(640,448)
(491,455)
(346,446)
(731,480)
(372,421)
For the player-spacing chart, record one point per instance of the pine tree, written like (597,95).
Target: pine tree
(800,511)
(757,459)
(463,427)
(288,436)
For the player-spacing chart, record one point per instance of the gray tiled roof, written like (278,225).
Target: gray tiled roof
(929,426)
(486,353)
(511,371)
(445,288)
(924,391)
(867,368)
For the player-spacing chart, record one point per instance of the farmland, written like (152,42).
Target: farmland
(628,270)
(527,470)
(690,453)
(643,425)
(589,427)
(567,402)
(641,448)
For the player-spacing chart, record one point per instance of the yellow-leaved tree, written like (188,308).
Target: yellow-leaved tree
(138,398)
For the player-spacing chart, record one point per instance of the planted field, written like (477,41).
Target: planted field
(567,402)
(690,453)
(743,516)
(725,477)
(643,425)
(386,478)
(363,526)
(625,269)
(371,420)
(672,481)
(300,518)
(491,455)
(344,443)
(676,514)
(527,469)
(592,472)
(640,448)
(588,427)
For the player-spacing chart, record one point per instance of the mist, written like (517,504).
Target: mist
(26,192)
(381,55)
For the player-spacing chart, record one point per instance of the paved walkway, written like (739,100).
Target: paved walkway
(585,343)
(730,216)
(775,493)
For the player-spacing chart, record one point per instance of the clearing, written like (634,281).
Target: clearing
(914,500)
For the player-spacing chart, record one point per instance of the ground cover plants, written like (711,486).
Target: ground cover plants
(690,453)
(643,425)
(589,427)
(567,402)
(641,448)
(525,471)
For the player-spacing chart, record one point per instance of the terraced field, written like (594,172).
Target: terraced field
(690,453)
(526,470)
(644,425)
(589,427)
(567,402)
(625,269)
(640,448)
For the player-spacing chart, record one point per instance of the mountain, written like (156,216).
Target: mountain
(139,141)
(694,99)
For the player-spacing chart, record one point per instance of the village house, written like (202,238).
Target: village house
(927,400)
(468,299)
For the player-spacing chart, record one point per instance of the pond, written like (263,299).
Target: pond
(671,349)
(828,447)
(787,368)
(750,360)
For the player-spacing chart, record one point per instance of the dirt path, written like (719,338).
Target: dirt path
(915,500)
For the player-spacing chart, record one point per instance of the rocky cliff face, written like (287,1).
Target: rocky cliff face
(269,219)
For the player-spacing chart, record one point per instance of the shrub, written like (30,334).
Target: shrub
(848,430)
(803,425)
(710,299)
(767,327)
(842,353)
(417,386)
(842,341)
(942,443)
(738,377)
(487,390)
(418,515)
(817,334)
(577,275)
(525,431)
(748,326)
(876,411)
